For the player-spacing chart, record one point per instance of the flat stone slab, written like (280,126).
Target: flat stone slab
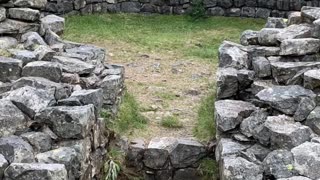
(295,31)
(10,26)
(45,69)
(228,147)
(297,47)
(52,22)
(39,4)
(230,113)
(310,13)
(230,55)
(26,14)
(72,65)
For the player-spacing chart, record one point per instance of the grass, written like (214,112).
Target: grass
(208,169)
(171,122)
(160,33)
(129,116)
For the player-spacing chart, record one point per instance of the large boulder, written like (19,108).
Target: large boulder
(68,121)
(52,22)
(230,113)
(31,100)
(298,47)
(16,150)
(230,55)
(36,171)
(284,98)
(227,82)
(48,70)
(307,159)
(279,164)
(249,37)
(310,14)
(12,120)
(39,4)
(268,36)
(273,22)
(10,69)
(295,31)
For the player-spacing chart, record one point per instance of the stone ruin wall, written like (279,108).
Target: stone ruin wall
(236,8)
(51,94)
(267,105)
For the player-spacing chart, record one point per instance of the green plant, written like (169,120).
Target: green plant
(208,169)
(112,170)
(198,10)
(171,122)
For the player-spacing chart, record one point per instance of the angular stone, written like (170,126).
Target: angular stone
(72,65)
(295,31)
(306,105)
(259,151)
(295,178)
(31,100)
(313,120)
(8,42)
(64,155)
(111,86)
(3,15)
(31,40)
(52,22)
(263,13)
(307,160)
(216,11)
(63,120)
(230,113)
(240,168)
(3,165)
(261,66)
(249,37)
(44,53)
(254,51)
(40,142)
(187,173)
(39,4)
(299,46)
(285,133)
(227,82)
(230,55)
(260,85)
(310,14)
(291,72)
(12,120)
(186,153)
(24,55)
(48,70)
(26,14)
(130,7)
(256,119)
(10,26)
(93,96)
(284,98)
(16,150)
(245,78)
(135,153)
(274,22)
(294,18)
(92,52)
(70,78)
(279,164)
(268,36)
(248,12)
(10,69)
(228,147)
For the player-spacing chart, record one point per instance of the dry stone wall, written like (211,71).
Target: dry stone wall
(243,8)
(51,94)
(267,109)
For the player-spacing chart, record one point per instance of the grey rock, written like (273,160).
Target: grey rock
(8,42)
(63,120)
(111,86)
(294,18)
(31,100)
(295,31)
(135,153)
(268,36)
(295,178)
(245,78)
(210,3)
(300,46)
(69,102)
(31,40)
(70,78)
(40,142)
(186,153)
(310,13)
(263,13)
(36,171)
(72,65)
(227,82)
(228,147)
(313,120)
(254,51)
(316,29)
(39,4)
(16,150)
(26,14)
(230,55)
(52,22)
(306,105)
(187,173)
(274,22)
(48,70)
(284,98)
(10,69)
(315,140)
(24,55)
(94,96)
(259,151)
(250,123)
(307,160)
(279,163)
(261,66)
(130,7)
(64,155)
(230,113)
(238,168)
(92,52)
(12,120)
(3,15)
(10,26)
(44,53)
(249,37)
(216,11)
(248,12)
(233,12)
(3,165)
(260,85)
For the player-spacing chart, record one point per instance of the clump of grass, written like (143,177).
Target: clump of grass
(171,122)
(208,169)
(205,128)
(129,116)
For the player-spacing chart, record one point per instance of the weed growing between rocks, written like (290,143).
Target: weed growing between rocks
(208,169)
(171,122)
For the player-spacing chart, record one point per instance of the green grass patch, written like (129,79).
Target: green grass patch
(166,95)
(205,128)
(209,169)
(171,122)
(161,33)
(129,116)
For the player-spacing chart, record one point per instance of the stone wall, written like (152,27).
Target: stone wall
(268,109)
(243,8)
(51,94)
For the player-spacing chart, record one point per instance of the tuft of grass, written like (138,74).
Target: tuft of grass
(205,129)
(209,169)
(171,122)
(129,116)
